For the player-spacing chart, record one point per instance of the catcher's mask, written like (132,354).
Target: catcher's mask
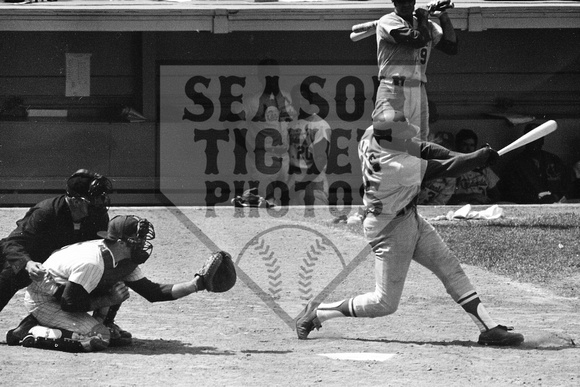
(90,187)
(133,230)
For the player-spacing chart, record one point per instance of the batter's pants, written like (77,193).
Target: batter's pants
(406,96)
(408,237)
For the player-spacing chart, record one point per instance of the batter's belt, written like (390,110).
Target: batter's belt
(409,207)
(402,81)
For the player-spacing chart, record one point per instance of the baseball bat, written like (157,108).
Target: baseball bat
(534,134)
(363,30)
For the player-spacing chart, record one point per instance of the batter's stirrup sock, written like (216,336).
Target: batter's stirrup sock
(471,303)
(335,309)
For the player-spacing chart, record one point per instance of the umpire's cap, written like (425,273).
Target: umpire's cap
(88,184)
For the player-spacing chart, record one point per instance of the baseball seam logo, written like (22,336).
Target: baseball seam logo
(272,267)
(307,269)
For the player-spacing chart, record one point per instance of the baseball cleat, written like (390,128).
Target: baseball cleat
(119,337)
(16,335)
(307,321)
(501,336)
(117,331)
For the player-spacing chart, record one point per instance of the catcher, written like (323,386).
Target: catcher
(92,276)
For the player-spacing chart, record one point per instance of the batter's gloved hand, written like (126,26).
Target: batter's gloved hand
(249,199)
(218,273)
(492,157)
(438,6)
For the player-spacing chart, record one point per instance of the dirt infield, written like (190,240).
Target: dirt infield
(245,337)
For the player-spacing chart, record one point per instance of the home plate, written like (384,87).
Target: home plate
(361,356)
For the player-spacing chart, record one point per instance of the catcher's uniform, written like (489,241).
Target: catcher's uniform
(89,264)
(402,68)
(396,232)
(309,139)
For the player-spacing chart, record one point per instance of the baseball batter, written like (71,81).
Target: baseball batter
(90,277)
(394,165)
(405,38)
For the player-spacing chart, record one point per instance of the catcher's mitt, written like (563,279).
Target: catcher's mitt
(218,273)
(249,199)
(439,6)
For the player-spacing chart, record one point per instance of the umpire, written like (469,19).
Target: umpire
(75,216)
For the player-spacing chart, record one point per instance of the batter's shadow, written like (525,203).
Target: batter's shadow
(164,347)
(462,343)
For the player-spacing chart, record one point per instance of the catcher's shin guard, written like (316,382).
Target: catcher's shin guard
(67,341)
(62,344)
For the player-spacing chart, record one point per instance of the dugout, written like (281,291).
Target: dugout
(517,59)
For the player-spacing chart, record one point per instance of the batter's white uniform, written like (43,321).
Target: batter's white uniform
(396,232)
(402,69)
(81,263)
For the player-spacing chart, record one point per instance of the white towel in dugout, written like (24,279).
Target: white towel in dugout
(465,212)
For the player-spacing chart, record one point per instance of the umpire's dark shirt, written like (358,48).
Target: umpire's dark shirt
(46,227)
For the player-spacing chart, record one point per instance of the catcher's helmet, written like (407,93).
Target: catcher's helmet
(135,231)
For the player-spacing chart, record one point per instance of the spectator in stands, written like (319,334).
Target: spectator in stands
(479,186)
(438,191)
(573,191)
(535,176)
